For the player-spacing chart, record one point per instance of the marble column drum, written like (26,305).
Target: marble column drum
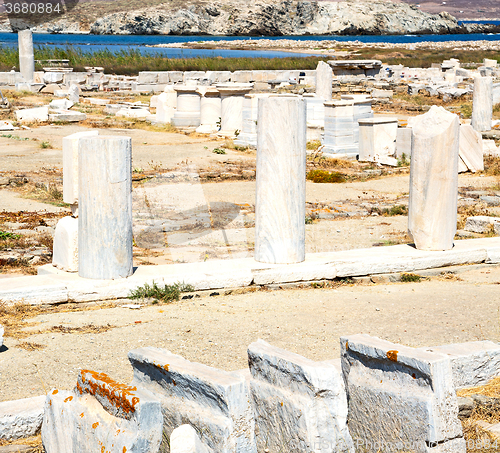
(432,210)
(210,110)
(188,106)
(482,104)
(280,181)
(26,55)
(339,129)
(324,81)
(166,105)
(232,97)
(105,207)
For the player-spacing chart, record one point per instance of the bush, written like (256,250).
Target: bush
(323,176)
(168,293)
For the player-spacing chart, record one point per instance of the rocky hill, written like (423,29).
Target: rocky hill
(267,17)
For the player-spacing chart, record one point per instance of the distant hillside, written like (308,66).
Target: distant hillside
(242,18)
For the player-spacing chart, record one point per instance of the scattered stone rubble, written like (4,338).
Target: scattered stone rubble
(386,396)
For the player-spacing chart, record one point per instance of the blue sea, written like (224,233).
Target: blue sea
(92,43)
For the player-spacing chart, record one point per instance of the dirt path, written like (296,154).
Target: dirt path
(217,330)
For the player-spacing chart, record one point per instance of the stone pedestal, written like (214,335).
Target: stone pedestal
(232,97)
(26,55)
(377,139)
(166,105)
(403,142)
(105,205)
(432,216)
(74,94)
(482,104)
(362,109)
(188,106)
(339,128)
(248,135)
(324,80)
(280,184)
(315,110)
(210,110)
(65,254)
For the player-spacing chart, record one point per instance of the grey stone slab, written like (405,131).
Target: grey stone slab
(480,223)
(215,402)
(299,405)
(399,396)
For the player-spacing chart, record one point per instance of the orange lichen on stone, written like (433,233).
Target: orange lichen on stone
(69,398)
(82,414)
(392,356)
(55,392)
(347,345)
(95,425)
(119,395)
(166,367)
(124,449)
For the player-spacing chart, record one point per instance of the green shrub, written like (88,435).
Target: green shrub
(168,293)
(323,176)
(409,278)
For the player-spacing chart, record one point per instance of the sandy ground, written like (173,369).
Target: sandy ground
(217,330)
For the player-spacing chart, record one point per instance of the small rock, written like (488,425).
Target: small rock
(465,407)
(481,223)
(490,200)
(4,181)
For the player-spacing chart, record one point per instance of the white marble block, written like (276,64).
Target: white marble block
(33,115)
(362,109)
(403,142)
(105,207)
(482,104)
(473,364)
(26,55)
(400,398)
(184,439)
(248,136)
(70,145)
(315,110)
(21,418)
(215,402)
(280,181)
(432,216)
(377,138)
(324,79)
(65,254)
(232,97)
(74,93)
(339,128)
(188,106)
(299,405)
(488,63)
(210,110)
(101,415)
(471,148)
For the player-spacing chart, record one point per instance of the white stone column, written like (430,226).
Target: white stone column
(166,105)
(482,104)
(377,139)
(339,129)
(281,182)
(188,106)
(65,254)
(210,110)
(26,55)
(432,216)
(324,80)
(248,136)
(232,97)
(105,207)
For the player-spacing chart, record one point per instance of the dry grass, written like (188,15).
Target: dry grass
(491,389)
(470,211)
(492,165)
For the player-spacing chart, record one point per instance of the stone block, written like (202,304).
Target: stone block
(63,104)
(490,148)
(133,112)
(147,77)
(65,255)
(101,414)
(78,78)
(481,223)
(53,77)
(215,402)
(490,200)
(473,364)
(403,141)
(377,138)
(400,398)
(66,116)
(6,126)
(184,439)
(471,148)
(482,104)
(33,115)
(21,418)
(432,216)
(194,75)
(153,102)
(74,93)
(299,405)
(175,76)
(382,94)
(242,77)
